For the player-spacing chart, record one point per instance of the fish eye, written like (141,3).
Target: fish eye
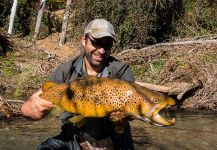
(156,100)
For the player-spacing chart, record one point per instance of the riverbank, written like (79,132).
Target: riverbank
(24,68)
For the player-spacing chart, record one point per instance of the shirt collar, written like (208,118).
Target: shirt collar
(78,65)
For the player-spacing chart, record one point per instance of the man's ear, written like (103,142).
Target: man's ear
(83,40)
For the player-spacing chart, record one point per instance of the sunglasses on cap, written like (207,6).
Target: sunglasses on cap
(98,43)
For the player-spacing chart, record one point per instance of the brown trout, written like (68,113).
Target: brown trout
(99,97)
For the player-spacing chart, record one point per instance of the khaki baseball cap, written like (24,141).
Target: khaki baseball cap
(99,28)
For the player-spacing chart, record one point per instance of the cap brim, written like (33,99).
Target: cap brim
(101,35)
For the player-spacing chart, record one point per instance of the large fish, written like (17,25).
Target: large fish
(99,97)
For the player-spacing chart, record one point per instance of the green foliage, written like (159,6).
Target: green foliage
(4,11)
(8,67)
(23,17)
(209,57)
(137,23)
(199,19)
(19,72)
(149,72)
(158,65)
(26,14)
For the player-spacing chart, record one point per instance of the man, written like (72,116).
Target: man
(97,133)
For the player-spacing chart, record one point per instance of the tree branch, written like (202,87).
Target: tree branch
(174,88)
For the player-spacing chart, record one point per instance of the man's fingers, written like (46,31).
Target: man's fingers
(46,104)
(38,92)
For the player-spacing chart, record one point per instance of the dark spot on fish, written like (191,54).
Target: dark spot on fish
(69,93)
(139,108)
(75,106)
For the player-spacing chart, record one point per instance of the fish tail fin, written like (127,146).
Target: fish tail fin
(47,85)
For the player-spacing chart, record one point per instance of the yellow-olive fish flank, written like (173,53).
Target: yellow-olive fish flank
(99,97)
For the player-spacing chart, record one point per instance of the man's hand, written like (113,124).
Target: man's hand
(117,116)
(87,146)
(104,144)
(120,119)
(35,107)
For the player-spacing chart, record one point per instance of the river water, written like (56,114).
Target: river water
(193,131)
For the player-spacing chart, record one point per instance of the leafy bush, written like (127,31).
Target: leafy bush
(137,23)
(26,14)
(199,19)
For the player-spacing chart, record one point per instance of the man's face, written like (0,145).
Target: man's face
(97,50)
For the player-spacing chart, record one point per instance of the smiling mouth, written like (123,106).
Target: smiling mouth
(98,57)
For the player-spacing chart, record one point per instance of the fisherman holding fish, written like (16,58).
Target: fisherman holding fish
(96,133)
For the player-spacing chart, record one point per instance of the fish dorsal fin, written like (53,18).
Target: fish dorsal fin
(47,84)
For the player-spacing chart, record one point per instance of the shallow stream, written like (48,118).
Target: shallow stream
(193,130)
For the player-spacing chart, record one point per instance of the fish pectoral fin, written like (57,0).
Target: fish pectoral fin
(78,120)
(117,116)
(55,111)
(75,119)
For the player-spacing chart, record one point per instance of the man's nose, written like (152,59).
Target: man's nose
(101,50)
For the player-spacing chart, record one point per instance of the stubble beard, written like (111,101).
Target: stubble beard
(93,62)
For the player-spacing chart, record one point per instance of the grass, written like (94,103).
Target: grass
(149,72)
(8,66)
(209,57)
(20,73)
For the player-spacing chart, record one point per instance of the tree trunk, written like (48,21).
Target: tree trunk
(65,21)
(39,17)
(13,13)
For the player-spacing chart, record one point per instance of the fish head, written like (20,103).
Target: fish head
(53,92)
(154,103)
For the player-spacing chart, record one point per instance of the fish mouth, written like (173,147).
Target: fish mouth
(157,119)
(161,121)
(154,116)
